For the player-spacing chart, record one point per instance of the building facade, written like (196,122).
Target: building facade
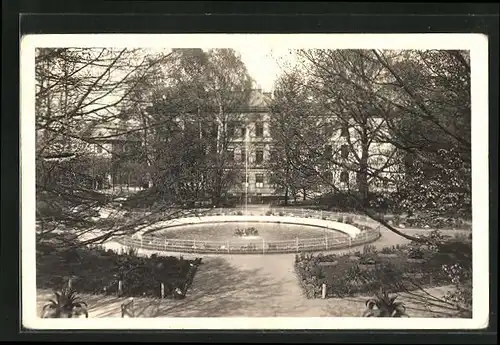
(251,146)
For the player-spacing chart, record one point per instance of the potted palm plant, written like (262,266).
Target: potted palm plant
(386,306)
(65,305)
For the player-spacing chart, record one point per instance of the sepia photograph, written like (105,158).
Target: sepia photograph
(254,181)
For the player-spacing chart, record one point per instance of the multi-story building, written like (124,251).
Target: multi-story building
(251,147)
(250,150)
(114,155)
(344,148)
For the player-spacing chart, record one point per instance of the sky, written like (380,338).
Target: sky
(264,65)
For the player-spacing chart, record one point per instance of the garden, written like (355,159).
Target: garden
(95,270)
(445,260)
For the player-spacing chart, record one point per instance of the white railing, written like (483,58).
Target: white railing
(330,241)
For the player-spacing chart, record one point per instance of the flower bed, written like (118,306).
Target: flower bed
(98,271)
(246,232)
(396,269)
(422,222)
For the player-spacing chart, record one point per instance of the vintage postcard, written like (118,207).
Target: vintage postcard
(254,181)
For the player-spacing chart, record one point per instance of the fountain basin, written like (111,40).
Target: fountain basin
(347,229)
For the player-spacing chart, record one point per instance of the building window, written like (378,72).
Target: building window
(243,154)
(344,131)
(328,129)
(273,155)
(408,160)
(230,155)
(259,129)
(385,183)
(344,151)
(243,129)
(329,177)
(99,148)
(259,156)
(259,180)
(344,176)
(231,129)
(328,151)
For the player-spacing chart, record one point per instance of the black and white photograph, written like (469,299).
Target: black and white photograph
(254,181)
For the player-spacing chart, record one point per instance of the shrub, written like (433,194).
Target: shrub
(281,214)
(239,213)
(386,306)
(99,271)
(415,252)
(269,213)
(388,250)
(461,277)
(369,249)
(67,304)
(367,260)
(349,220)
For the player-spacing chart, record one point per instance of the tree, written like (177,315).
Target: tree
(201,102)
(77,90)
(346,84)
(421,100)
(432,125)
(291,117)
(228,90)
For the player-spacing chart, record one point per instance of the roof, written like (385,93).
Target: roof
(258,100)
(116,130)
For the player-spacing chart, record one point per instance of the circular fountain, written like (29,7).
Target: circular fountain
(252,234)
(245,233)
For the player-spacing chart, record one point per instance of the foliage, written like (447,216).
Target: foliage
(246,232)
(357,273)
(139,275)
(67,304)
(404,118)
(461,297)
(386,306)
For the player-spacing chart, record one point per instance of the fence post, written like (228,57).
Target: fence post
(350,241)
(165,244)
(297,244)
(120,288)
(263,246)
(326,242)
(162,287)
(69,283)
(141,241)
(323,291)
(227,244)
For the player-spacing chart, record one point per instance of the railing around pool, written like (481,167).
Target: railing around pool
(330,241)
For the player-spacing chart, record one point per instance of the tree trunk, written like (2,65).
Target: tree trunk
(286,196)
(362,176)
(304,197)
